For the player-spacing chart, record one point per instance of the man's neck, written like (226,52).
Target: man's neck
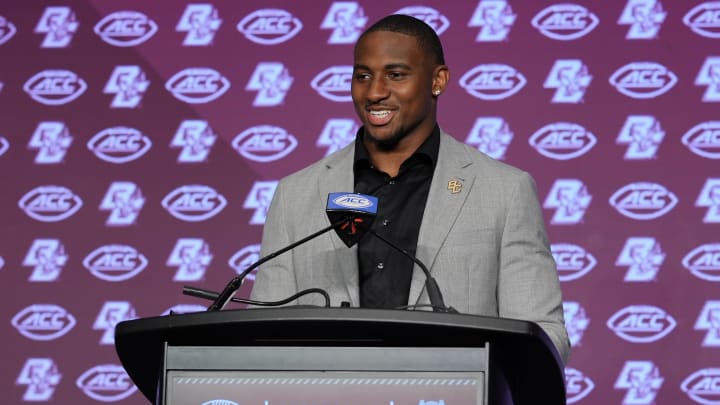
(389,160)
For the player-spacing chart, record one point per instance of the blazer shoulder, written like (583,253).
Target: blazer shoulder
(342,157)
(478,161)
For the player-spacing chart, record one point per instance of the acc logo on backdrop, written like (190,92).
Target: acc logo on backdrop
(490,135)
(703,386)
(264,143)
(50,203)
(47,257)
(43,322)
(709,75)
(129,84)
(269,26)
(333,83)
(115,263)
(124,200)
(429,15)
(195,138)
(704,139)
(704,19)
(55,87)
(565,22)
(112,313)
(645,18)
(643,200)
(562,140)
(572,261)
(709,320)
(244,258)
(197,85)
(492,81)
(272,81)
(4,145)
(643,80)
(41,375)
(570,199)
(201,22)
(643,256)
(346,19)
(59,24)
(643,135)
(495,18)
(125,28)
(194,202)
(710,197)
(7,30)
(106,383)
(51,139)
(192,257)
(642,380)
(119,144)
(641,323)
(704,261)
(337,134)
(577,385)
(576,321)
(570,78)
(259,199)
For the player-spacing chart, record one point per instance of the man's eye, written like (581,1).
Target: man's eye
(362,76)
(396,75)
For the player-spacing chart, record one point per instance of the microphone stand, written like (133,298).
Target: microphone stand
(226,294)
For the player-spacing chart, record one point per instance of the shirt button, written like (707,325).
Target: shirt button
(391,182)
(380,266)
(385,222)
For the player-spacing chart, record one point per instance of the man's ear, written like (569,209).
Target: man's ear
(441,77)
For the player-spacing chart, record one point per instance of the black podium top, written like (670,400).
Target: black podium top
(519,349)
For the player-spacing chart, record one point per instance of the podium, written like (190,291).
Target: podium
(308,355)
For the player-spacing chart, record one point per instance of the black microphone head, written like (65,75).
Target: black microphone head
(358,211)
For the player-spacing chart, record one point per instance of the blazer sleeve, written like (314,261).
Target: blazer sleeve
(528,284)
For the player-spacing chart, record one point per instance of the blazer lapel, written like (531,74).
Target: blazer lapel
(339,178)
(449,189)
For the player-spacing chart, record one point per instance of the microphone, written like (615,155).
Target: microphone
(352,215)
(363,209)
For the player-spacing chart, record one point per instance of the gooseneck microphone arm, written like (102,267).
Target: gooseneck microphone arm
(433,290)
(226,294)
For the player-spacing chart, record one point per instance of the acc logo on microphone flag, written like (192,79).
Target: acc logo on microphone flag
(492,81)
(704,19)
(704,262)
(643,80)
(352,201)
(641,323)
(264,143)
(704,139)
(577,385)
(194,202)
(115,263)
(106,383)
(269,26)
(565,22)
(333,83)
(562,140)
(643,200)
(43,322)
(125,28)
(572,261)
(436,20)
(703,386)
(55,87)
(197,85)
(50,203)
(119,144)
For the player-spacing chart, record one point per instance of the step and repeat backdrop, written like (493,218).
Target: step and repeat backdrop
(141,143)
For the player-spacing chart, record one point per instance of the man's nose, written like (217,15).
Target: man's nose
(377,90)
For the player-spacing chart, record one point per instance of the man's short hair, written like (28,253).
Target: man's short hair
(408,25)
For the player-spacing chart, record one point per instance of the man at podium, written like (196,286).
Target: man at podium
(475,222)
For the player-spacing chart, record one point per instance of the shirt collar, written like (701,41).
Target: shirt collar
(428,150)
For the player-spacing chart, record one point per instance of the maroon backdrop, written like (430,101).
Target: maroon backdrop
(140,144)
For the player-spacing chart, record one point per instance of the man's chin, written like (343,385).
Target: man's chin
(384,141)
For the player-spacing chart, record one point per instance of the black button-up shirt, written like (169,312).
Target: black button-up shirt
(385,273)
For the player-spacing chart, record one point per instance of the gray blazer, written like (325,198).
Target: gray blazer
(482,237)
